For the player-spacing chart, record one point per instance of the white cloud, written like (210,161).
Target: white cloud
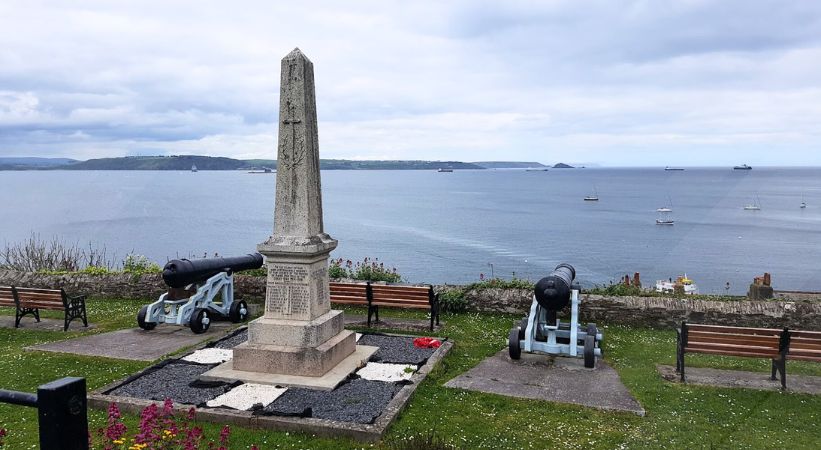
(621,83)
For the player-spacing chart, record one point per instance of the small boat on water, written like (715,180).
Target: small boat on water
(668,208)
(742,167)
(665,221)
(803,205)
(674,169)
(193,167)
(755,206)
(683,283)
(444,170)
(263,170)
(594,197)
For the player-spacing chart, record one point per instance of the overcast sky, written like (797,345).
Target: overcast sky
(612,82)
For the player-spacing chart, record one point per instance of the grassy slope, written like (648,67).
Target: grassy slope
(677,416)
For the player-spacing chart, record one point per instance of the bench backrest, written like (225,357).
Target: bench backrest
(40,298)
(735,341)
(349,293)
(407,296)
(384,294)
(805,345)
(7,296)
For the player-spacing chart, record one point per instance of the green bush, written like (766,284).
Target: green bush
(453,301)
(139,264)
(499,283)
(95,270)
(367,270)
(258,272)
(619,290)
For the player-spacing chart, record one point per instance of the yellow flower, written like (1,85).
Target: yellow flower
(118,441)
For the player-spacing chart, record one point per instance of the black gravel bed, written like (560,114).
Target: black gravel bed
(232,341)
(177,381)
(396,349)
(359,400)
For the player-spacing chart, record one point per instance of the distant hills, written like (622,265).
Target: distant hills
(185,162)
(26,163)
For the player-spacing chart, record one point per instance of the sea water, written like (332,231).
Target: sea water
(455,227)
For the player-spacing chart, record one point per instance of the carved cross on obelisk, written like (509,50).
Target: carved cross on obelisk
(294,158)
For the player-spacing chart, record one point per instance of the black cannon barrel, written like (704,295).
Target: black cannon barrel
(179,273)
(553,291)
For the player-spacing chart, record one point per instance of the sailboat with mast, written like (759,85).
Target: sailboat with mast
(594,197)
(668,208)
(755,206)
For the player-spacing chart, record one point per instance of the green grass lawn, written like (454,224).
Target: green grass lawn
(680,416)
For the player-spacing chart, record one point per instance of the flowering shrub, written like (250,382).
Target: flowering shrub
(159,429)
(367,270)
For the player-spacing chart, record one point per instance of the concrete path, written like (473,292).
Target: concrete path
(29,323)
(555,379)
(135,343)
(803,384)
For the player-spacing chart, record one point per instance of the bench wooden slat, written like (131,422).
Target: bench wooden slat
(348,302)
(401,302)
(399,297)
(733,330)
(815,335)
(733,353)
(770,341)
(35,290)
(741,348)
(404,305)
(40,305)
(397,288)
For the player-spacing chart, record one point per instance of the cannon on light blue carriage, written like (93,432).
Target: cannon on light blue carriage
(542,332)
(199,290)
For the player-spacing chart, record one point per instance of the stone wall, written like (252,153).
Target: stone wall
(659,312)
(120,285)
(636,311)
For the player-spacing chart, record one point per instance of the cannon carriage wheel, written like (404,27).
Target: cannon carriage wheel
(513,344)
(141,319)
(238,312)
(200,321)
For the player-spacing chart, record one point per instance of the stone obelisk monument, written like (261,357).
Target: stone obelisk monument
(299,337)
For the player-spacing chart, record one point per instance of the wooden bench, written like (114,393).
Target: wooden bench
(388,295)
(31,301)
(776,345)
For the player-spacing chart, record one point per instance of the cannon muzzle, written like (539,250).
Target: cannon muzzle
(553,291)
(179,273)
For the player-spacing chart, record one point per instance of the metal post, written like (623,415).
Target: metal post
(62,412)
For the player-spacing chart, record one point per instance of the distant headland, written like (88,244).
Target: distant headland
(186,162)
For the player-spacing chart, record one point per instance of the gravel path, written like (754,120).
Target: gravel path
(359,401)
(173,381)
(396,349)
(232,341)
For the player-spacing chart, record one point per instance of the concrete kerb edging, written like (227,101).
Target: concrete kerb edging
(326,428)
